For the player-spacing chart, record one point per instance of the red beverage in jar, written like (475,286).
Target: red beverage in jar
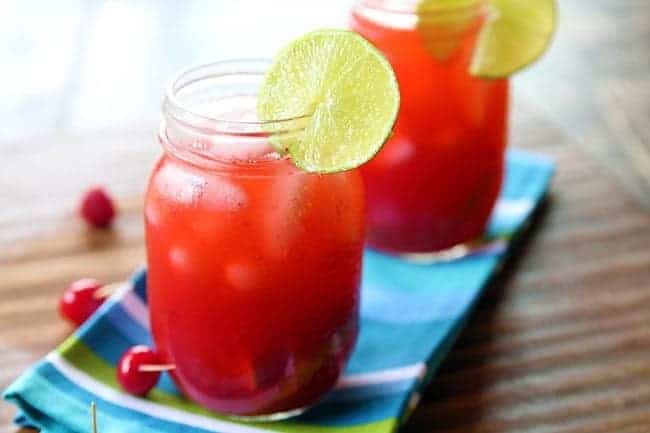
(434,184)
(254,265)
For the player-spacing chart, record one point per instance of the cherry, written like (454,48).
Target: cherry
(79,300)
(132,376)
(97,207)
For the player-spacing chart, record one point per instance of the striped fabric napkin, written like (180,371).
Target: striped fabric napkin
(411,314)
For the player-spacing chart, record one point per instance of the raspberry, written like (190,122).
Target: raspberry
(97,208)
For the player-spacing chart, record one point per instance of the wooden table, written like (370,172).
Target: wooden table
(560,343)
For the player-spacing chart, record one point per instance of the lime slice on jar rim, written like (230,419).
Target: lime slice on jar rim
(516,32)
(343,93)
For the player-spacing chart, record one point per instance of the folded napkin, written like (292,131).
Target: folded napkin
(410,315)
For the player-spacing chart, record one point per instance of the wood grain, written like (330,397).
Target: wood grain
(594,84)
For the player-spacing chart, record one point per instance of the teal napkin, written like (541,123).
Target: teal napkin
(410,316)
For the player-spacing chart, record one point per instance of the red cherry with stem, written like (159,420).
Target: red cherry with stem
(80,300)
(97,207)
(139,369)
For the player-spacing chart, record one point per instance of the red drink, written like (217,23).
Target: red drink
(254,265)
(434,184)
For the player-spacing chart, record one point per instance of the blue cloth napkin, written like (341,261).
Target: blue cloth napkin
(410,316)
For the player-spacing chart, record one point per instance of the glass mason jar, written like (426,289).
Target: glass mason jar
(253,265)
(434,184)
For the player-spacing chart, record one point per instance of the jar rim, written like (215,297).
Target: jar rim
(189,116)
(191,130)
(409,7)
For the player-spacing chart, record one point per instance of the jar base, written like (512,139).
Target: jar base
(457,252)
(279,416)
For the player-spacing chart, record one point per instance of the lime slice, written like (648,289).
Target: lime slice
(343,93)
(517,32)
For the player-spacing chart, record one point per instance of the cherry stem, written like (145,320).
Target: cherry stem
(93,412)
(156,367)
(106,290)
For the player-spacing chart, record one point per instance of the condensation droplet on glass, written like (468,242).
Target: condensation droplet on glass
(197,186)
